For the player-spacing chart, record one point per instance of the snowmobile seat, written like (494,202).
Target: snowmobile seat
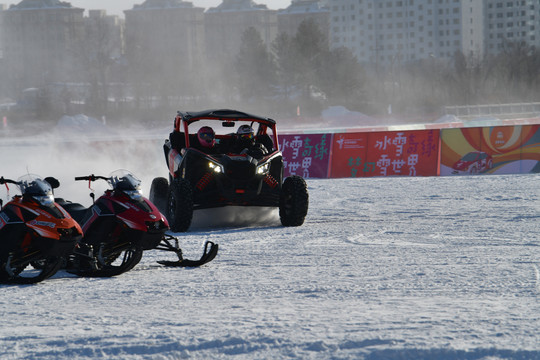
(77,211)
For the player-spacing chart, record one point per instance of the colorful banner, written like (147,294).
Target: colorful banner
(306,155)
(390,153)
(490,150)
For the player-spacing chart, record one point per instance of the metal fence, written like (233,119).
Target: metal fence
(494,109)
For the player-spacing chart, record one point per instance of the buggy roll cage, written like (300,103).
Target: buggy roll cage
(228,117)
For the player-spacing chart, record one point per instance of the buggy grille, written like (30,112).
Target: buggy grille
(240,170)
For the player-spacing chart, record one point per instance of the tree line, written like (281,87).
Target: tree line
(303,70)
(298,72)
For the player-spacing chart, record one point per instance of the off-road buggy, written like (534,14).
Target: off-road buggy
(201,178)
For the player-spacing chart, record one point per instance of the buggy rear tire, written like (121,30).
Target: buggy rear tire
(180,205)
(293,201)
(159,191)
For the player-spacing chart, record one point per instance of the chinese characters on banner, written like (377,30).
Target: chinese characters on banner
(392,153)
(513,149)
(306,155)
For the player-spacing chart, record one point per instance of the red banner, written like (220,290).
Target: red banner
(392,153)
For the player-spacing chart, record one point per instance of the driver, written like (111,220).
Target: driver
(245,143)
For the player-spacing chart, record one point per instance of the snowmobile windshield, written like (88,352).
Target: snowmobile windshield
(34,186)
(126,182)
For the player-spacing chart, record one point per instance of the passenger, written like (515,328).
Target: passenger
(207,138)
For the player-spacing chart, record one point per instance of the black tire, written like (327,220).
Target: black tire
(159,191)
(180,205)
(27,274)
(293,201)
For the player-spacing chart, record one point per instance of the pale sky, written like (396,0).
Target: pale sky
(116,7)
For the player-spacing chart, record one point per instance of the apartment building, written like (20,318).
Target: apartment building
(164,34)
(290,18)
(41,41)
(510,22)
(390,31)
(226,23)
(105,33)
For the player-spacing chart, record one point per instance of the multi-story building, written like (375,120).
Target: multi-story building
(41,41)
(406,30)
(389,31)
(2,8)
(105,33)
(507,22)
(226,23)
(289,19)
(165,35)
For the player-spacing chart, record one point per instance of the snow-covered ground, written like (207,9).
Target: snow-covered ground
(383,268)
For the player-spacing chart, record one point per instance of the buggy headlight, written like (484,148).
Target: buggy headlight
(215,167)
(263,169)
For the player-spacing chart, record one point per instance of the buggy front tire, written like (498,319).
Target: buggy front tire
(294,201)
(180,205)
(159,191)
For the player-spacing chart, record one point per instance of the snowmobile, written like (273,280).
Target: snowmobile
(36,234)
(118,227)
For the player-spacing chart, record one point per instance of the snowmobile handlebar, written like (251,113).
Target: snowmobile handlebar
(90,178)
(7,181)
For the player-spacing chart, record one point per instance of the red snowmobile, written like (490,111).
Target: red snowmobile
(36,234)
(118,227)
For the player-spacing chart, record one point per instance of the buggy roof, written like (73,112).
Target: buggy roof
(224,115)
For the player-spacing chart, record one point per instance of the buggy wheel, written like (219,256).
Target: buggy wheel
(158,193)
(27,274)
(180,205)
(293,201)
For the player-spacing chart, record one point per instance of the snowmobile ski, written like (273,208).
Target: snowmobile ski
(210,252)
